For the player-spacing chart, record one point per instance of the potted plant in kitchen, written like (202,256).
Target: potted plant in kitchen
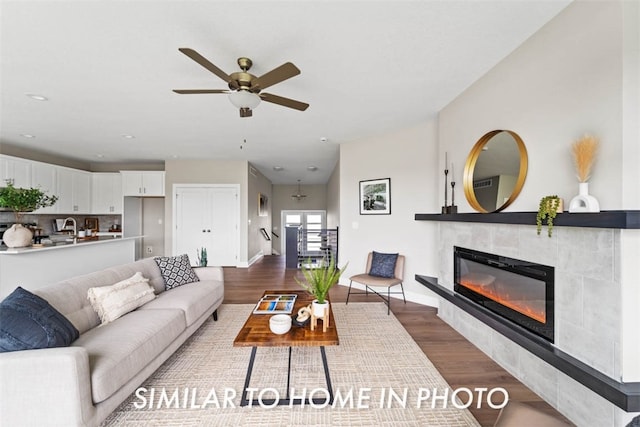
(20,201)
(548,209)
(318,281)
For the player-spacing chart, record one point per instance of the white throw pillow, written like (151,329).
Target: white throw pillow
(111,302)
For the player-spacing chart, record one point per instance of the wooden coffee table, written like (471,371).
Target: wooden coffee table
(256,333)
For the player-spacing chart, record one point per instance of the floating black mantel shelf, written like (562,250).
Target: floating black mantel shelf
(603,219)
(623,395)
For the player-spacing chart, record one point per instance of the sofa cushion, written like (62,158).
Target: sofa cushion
(176,271)
(112,302)
(383,265)
(194,299)
(30,322)
(119,350)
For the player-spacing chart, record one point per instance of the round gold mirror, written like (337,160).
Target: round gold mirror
(495,171)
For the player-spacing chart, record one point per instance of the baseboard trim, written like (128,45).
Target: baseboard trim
(257,257)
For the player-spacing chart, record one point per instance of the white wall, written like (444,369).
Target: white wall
(564,81)
(631,105)
(407,156)
(333,198)
(630,239)
(153,226)
(257,245)
(578,74)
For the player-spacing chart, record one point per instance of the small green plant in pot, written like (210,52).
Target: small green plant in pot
(548,209)
(21,200)
(202,257)
(318,282)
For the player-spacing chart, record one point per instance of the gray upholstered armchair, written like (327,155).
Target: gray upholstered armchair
(382,271)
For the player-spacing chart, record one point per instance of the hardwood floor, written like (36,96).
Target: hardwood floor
(459,361)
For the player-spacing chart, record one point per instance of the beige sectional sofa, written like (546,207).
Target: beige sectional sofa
(82,384)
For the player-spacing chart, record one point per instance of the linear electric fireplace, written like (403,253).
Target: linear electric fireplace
(520,291)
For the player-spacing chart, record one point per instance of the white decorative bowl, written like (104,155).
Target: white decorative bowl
(280,324)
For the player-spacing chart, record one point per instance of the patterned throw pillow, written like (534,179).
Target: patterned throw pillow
(112,302)
(176,271)
(383,265)
(29,322)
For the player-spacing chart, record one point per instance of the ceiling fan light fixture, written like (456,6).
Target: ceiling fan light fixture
(244,99)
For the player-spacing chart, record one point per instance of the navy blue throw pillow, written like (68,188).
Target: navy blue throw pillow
(383,265)
(28,322)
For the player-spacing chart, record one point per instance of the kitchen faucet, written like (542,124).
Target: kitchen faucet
(75,225)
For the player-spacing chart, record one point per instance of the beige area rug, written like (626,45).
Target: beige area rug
(376,358)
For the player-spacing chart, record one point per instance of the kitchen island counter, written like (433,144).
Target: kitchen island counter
(63,244)
(35,267)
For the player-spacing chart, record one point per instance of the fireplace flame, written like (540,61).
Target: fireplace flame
(520,306)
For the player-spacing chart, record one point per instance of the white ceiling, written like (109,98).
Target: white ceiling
(368,67)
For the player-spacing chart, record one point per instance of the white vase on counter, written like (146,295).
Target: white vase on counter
(17,236)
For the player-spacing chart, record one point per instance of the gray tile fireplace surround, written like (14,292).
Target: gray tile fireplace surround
(588,317)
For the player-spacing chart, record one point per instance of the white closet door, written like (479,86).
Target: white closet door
(207,216)
(192,206)
(224,227)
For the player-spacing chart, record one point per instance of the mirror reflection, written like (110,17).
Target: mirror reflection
(495,171)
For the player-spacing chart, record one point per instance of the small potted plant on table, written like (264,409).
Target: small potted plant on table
(318,281)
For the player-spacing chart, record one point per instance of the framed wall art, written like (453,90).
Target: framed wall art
(375,197)
(262,205)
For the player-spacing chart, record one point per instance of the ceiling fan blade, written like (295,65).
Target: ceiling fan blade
(285,102)
(277,75)
(195,91)
(209,66)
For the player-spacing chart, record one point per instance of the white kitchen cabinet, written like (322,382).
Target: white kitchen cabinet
(106,193)
(43,176)
(74,191)
(16,171)
(143,183)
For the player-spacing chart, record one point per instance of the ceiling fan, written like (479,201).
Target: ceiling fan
(245,88)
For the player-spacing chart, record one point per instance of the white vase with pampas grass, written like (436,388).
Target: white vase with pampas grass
(584,153)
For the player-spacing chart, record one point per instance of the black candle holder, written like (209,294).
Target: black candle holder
(453,208)
(445,208)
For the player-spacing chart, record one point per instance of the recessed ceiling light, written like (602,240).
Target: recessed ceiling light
(27,135)
(37,97)
(323,139)
(278,168)
(312,168)
(100,156)
(127,136)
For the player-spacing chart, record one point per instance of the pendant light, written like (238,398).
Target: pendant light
(298,196)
